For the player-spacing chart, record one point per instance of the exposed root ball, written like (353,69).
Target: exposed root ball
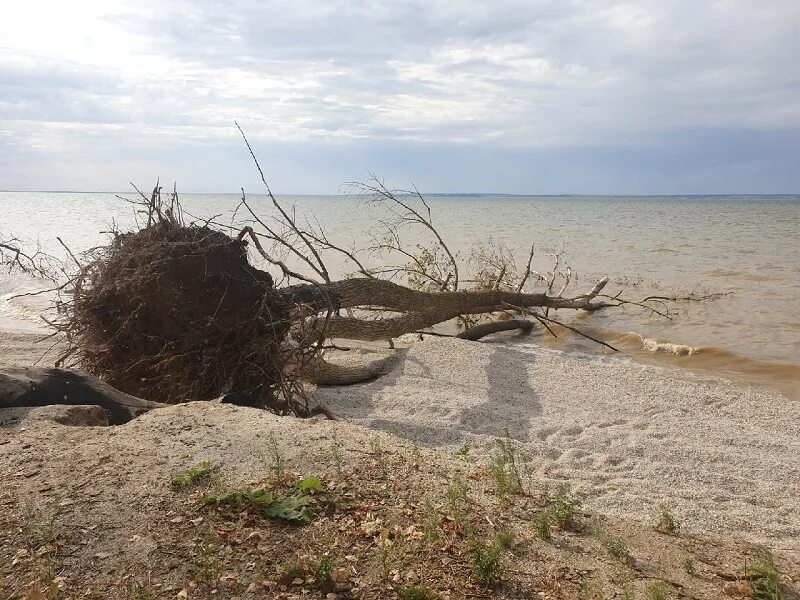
(173,313)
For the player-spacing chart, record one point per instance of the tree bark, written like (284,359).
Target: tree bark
(420,309)
(480,331)
(325,373)
(33,387)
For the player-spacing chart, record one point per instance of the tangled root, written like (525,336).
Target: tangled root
(175,313)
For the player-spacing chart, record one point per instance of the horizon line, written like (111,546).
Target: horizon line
(457,194)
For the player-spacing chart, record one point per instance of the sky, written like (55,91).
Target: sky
(508,96)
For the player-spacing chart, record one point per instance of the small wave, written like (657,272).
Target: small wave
(667,347)
(665,251)
(20,311)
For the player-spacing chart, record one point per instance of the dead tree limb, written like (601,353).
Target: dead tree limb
(478,332)
(33,387)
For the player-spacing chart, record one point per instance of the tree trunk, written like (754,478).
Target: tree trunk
(31,387)
(420,309)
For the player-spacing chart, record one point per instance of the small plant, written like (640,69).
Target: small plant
(336,454)
(564,509)
(657,590)
(628,592)
(615,546)
(457,499)
(767,586)
(591,589)
(486,563)
(206,564)
(463,450)
(667,523)
(377,450)
(431,521)
(504,539)
(193,476)
(142,592)
(506,468)
(323,573)
(688,566)
(310,485)
(277,462)
(291,507)
(290,571)
(542,526)
(417,593)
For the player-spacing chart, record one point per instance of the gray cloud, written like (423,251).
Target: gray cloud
(524,76)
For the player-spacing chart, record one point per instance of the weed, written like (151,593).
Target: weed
(486,563)
(417,593)
(291,507)
(206,564)
(377,450)
(657,590)
(431,521)
(768,584)
(290,571)
(542,526)
(463,450)
(615,546)
(591,589)
(628,592)
(142,592)
(504,539)
(667,523)
(323,573)
(688,566)
(277,462)
(310,485)
(458,498)
(564,509)
(193,476)
(506,468)
(336,454)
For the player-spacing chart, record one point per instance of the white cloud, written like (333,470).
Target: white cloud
(516,73)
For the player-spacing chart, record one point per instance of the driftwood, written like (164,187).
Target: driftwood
(34,387)
(477,332)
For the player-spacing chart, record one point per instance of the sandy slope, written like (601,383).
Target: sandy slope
(726,459)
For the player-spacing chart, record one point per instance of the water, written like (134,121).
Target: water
(745,246)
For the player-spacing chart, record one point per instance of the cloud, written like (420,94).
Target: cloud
(109,80)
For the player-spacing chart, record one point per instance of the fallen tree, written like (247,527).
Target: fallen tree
(177,311)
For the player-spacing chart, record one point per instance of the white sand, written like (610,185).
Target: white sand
(725,459)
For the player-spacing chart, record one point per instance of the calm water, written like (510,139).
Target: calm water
(747,246)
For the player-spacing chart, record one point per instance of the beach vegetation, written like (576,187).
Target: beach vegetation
(486,562)
(416,592)
(615,546)
(293,507)
(463,450)
(289,571)
(766,579)
(193,475)
(275,458)
(658,590)
(506,468)
(667,523)
(688,566)
(505,539)
(323,573)
(336,454)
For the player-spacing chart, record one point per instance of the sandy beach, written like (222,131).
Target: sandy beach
(630,437)
(628,440)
